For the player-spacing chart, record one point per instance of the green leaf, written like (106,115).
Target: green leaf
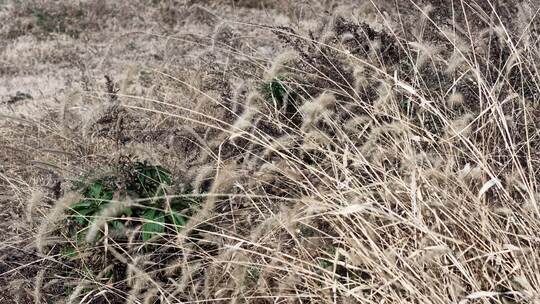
(82,216)
(82,210)
(82,204)
(163,175)
(107,195)
(178,220)
(81,220)
(95,190)
(253,272)
(154,224)
(118,225)
(142,179)
(325,264)
(86,211)
(69,252)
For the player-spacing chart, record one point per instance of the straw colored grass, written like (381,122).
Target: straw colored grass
(397,164)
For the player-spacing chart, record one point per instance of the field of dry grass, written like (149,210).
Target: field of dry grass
(272,151)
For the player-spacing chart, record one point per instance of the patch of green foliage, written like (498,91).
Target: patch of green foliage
(282,96)
(253,273)
(154,219)
(278,93)
(141,181)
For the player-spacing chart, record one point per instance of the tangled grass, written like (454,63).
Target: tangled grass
(384,157)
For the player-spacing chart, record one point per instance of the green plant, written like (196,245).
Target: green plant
(138,180)
(278,93)
(253,273)
(140,227)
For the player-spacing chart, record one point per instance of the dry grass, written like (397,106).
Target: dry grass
(395,161)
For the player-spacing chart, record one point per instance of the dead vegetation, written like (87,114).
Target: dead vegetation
(362,153)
